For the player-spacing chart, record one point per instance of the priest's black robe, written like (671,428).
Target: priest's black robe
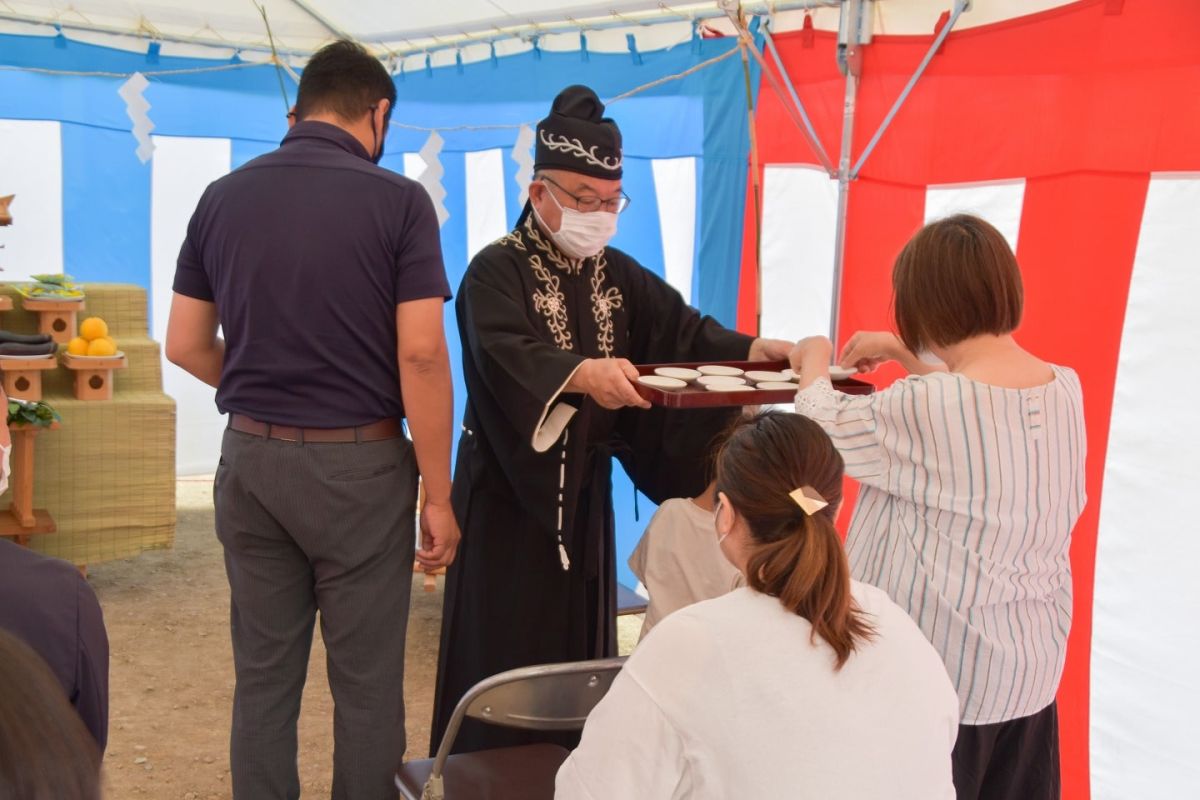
(534,580)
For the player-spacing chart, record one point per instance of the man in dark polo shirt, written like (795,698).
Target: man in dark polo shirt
(325,274)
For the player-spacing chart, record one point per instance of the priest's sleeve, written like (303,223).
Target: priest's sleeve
(524,376)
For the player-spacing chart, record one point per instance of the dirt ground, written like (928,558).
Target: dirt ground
(171,675)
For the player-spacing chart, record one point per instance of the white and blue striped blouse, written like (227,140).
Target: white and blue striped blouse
(969,495)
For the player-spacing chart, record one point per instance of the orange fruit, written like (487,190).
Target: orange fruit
(102,347)
(93,328)
(78,346)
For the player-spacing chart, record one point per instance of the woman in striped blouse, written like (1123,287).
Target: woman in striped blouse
(972,478)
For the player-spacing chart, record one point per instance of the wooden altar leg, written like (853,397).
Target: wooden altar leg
(23,520)
(21,472)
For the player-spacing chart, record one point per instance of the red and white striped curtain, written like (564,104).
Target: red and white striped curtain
(1077,132)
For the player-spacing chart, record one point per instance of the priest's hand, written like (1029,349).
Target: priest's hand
(608,381)
(439,536)
(769,350)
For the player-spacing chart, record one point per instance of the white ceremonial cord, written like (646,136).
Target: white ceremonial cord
(624,95)
(405,126)
(147,73)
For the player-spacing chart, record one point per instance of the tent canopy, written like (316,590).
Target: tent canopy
(217,28)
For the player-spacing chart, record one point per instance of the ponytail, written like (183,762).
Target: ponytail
(807,570)
(795,556)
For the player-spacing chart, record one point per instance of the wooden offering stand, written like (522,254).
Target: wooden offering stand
(93,375)
(6,303)
(23,376)
(56,317)
(22,519)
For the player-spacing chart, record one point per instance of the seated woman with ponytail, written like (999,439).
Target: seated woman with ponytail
(802,684)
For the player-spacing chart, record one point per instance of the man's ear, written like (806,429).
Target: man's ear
(537,191)
(382,108)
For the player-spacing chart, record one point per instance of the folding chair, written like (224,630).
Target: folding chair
(551,697)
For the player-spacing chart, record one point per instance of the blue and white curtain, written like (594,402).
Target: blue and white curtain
(89,206)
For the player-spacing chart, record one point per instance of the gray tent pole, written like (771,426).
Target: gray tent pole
(850,62)
(959,7)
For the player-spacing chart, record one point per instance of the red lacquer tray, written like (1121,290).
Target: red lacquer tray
(695,396)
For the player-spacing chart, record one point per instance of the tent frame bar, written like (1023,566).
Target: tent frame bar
(795,110)
(813,140)
(599,17)
(845,173)
(959,7)
(149,34)
(850,62)
(320,18)
(444,38)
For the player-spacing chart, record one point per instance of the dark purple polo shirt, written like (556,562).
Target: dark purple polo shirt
(47,604)
(306,251)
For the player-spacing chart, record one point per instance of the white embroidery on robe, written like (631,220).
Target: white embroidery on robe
(513,238)
(571,266)
(550,301)
(604,303)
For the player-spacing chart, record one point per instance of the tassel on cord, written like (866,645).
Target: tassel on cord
(562,487)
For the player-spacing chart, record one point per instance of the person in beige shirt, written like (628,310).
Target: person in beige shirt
(679,560)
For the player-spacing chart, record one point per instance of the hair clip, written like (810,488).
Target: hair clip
(809,500)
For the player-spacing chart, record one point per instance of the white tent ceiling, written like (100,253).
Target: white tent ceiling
(217,28)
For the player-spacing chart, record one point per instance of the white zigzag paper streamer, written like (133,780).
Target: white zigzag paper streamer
(138,109)
(431,176)
(522,155)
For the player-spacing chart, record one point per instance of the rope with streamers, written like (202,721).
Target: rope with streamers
(623,96)
(126,75)
(280,65)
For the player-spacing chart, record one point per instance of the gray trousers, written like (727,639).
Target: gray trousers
(308,528)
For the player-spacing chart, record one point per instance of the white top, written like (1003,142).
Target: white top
(679,561)
(731,698)
(969,496)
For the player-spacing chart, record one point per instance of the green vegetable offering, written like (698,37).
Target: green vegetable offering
(24,412)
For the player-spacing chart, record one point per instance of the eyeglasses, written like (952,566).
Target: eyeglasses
(590,202)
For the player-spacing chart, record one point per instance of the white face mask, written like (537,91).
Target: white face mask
(720,536)
(581,235)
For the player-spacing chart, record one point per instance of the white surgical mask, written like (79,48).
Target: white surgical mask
(581,235)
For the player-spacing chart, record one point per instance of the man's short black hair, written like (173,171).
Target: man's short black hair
(343,78)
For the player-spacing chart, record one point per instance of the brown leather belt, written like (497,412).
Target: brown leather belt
(375,432)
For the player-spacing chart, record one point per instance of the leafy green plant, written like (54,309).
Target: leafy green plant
(24,412)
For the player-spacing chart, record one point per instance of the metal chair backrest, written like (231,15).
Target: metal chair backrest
(549,697)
